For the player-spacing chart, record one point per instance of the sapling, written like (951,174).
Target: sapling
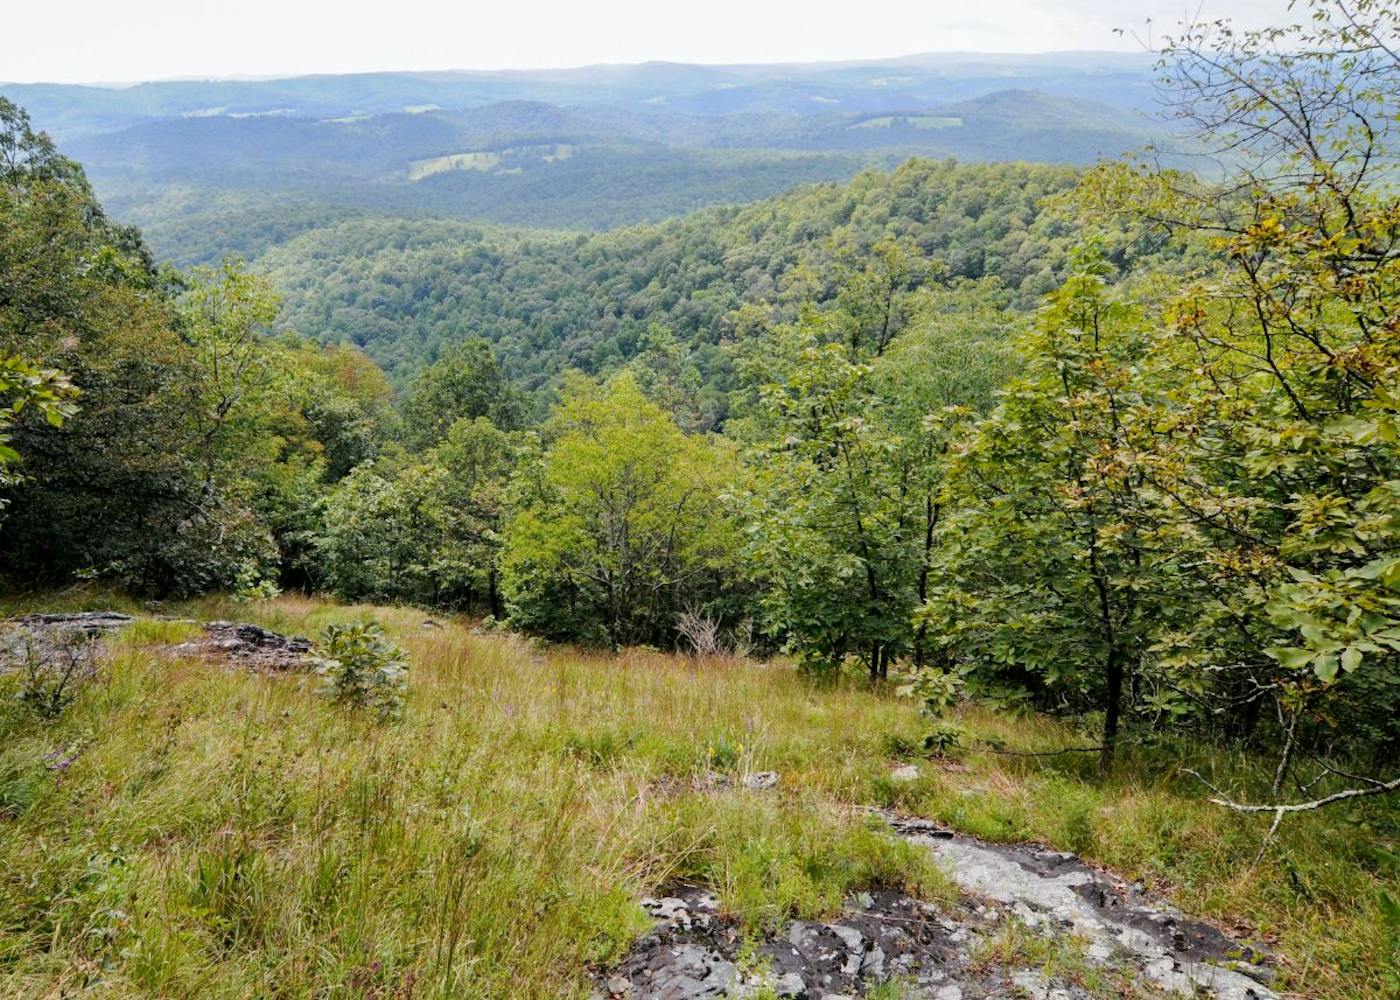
(359,667)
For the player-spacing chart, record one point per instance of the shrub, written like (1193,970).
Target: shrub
(362,669)
(53,669)
(700,630)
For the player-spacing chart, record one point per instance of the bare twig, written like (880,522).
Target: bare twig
(1221,799)
(1034,753)
(700,630)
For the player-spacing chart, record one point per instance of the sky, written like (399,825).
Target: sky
(84,41)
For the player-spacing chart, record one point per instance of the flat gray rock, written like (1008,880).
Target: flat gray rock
(247,645)
(693,949)
(1057,892)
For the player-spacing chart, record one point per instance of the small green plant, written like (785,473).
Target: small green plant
(361,668)
(756,968)
(941,741)
(54,670)
(723,753)
(935,690)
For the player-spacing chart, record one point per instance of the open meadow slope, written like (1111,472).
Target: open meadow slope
(192,827)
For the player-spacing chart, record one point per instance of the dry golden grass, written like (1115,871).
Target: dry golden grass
(227,834)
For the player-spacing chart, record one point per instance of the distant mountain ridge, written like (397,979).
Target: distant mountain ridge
(69,110)
(210,167)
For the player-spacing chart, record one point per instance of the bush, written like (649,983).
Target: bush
(54,669)
(362,669)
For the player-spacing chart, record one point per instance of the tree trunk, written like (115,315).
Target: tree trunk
(493,594)
(1113,675)
(921,634)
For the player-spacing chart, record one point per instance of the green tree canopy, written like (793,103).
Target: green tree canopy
(619,527)
(464,383)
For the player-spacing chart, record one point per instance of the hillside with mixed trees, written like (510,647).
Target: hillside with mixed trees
(1117,444)
(537,164)
(405,290)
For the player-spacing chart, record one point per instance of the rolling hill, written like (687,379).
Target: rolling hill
(199,163)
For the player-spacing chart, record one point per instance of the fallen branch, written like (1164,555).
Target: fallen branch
(1374,788)
(1328,768)
(984,748)
(1281,809)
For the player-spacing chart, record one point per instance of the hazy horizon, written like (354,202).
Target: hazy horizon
(150,41)
(898,57)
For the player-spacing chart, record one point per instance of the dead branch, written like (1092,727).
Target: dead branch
(1222,799)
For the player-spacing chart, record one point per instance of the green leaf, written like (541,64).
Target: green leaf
(1386,567)
(1291,658)
(1390,908)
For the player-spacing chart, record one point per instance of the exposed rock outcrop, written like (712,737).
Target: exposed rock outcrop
(1058,893)
(247,645)
(55,636)
(694,951)
(49,636)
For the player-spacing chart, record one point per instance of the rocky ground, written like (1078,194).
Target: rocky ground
(55,636)
(58,638)
(247,646)
(1117,929)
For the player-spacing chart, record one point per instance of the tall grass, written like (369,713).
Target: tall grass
(193,829)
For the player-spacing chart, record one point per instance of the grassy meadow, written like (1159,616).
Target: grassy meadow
(190,829)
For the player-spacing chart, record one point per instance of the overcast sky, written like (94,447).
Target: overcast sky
(126,40)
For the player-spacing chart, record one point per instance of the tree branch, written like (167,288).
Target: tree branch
(1221,799)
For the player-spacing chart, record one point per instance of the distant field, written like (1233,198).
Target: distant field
(489,161)
(923,122)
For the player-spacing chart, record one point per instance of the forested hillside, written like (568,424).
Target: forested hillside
(578,168)
(404,290)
